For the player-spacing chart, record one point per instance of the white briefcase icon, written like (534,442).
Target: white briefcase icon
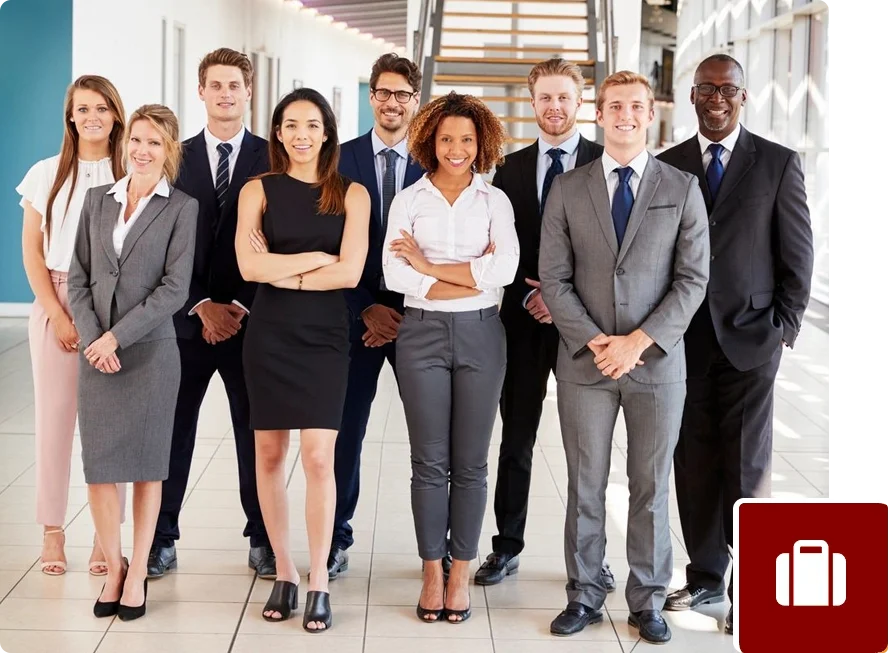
(811,575)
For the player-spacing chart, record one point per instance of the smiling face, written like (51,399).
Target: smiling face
(145,149)
(456,145)
(92,116)
(224,93)
(302,131)
(391,115)
(555,103)
(625,116)
(717,115)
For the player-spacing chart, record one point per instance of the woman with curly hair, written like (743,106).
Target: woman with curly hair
(452,247)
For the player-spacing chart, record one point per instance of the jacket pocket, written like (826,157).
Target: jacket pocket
(760,300)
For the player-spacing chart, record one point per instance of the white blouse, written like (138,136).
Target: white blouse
(35,189)
(122,226)
(481,215)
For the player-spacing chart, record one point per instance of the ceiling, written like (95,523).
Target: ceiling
(386,19)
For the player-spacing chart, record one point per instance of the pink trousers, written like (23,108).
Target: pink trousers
(55,403)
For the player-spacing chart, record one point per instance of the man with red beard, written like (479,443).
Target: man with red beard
(532,340)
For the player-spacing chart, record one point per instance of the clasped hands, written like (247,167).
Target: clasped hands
(617,355)
(220,321)
(102,355)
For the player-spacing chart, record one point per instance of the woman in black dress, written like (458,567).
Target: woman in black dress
(302,234)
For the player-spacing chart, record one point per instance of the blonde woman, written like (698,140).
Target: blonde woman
(130,272)
(52,197)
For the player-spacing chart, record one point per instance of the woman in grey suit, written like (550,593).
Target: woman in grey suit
(130,272)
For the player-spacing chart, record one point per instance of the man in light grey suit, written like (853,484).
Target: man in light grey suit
(624,258)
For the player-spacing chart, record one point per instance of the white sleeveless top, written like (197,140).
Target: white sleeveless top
(35,189)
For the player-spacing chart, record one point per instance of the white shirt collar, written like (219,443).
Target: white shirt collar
(637,164)
(478,183)
(379,145)
(568,147)
(728,142)
(235,141)
(119,189)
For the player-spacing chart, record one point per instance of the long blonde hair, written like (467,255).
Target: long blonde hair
(165,122)
(68,156)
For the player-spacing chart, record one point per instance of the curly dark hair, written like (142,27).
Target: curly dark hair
(490,131)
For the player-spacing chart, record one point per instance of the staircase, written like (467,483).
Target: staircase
(487,48)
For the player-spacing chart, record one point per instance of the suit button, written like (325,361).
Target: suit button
(619,271)
(712,257)
(712,223)
(114,273)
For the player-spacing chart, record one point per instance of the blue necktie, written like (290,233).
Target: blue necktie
(715,170)
(554,169)
(622,203)
(388,194)
(225,150)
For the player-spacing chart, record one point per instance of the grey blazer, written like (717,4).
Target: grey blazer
(655,282)
(133,297)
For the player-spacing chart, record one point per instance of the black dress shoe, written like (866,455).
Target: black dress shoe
(262,560)
(574,618)
(103,609)
(337,563)
(608,578)
(131,612)
(691,596)
(652,627)
(496,567)
(446,563)
(730,622)
(161,559)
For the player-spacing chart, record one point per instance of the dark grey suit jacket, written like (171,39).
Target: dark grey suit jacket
(133,297)
(655,282)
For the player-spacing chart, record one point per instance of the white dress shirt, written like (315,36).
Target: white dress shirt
(213,154)
(123,226)
(34,188)
(380,163)
(728,144)
(544,160)
(612,179)
(460,233)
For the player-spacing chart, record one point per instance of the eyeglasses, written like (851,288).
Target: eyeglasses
(725,91)
(383,94)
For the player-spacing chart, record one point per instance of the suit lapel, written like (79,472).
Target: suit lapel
(601,206)
(584,152)
(251,149)
(364,162)
(647,187)
(412,174)
(528,171)
(109,214)
(694,163)
(742,159)
(155,206)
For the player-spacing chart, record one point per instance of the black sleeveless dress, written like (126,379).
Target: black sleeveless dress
(296,348)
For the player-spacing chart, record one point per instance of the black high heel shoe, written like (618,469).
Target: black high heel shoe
(284,600)
(128,612)
(104,609)
(317,610)
(423,614)
(462,615)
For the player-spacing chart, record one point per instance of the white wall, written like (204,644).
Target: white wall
(125,45)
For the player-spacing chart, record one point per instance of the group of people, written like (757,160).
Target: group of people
(295,267)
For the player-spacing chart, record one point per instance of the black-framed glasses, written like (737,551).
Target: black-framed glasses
(726,90)
(383,94)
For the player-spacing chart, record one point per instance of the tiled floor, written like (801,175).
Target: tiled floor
(213,605)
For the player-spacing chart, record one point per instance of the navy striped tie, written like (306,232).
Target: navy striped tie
(224,149)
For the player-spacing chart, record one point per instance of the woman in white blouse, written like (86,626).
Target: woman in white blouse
(452,248)
(52,197)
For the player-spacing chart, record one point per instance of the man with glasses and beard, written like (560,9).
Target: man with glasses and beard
(532,340)
(760,276)
(380,162)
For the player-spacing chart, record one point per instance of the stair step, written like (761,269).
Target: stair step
(493,60)
(482,80)
(513,48)
(518,32)
(524,119)
(538,2)
(472,14)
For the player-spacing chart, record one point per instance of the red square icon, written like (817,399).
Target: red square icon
(811,576)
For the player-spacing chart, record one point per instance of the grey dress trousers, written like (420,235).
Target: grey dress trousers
(126,418)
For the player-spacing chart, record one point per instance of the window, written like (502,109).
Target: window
(177,99)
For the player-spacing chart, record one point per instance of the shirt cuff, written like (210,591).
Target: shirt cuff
(240,305)
(426,283)
(529,296)
(194,308)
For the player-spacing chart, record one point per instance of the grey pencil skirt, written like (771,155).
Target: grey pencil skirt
(126,418)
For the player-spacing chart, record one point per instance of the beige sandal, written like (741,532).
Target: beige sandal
(98,567)
(45,566)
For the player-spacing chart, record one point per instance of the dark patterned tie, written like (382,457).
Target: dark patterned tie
(225,150)
(554,169)
(622,203)
(715,170)
(388,185)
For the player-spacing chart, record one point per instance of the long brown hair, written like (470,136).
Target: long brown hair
(68,157)
(333,188)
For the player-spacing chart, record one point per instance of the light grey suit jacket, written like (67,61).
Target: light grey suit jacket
(133,297)
(655,282)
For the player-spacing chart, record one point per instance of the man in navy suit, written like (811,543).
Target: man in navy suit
(378,160)
(215,165)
